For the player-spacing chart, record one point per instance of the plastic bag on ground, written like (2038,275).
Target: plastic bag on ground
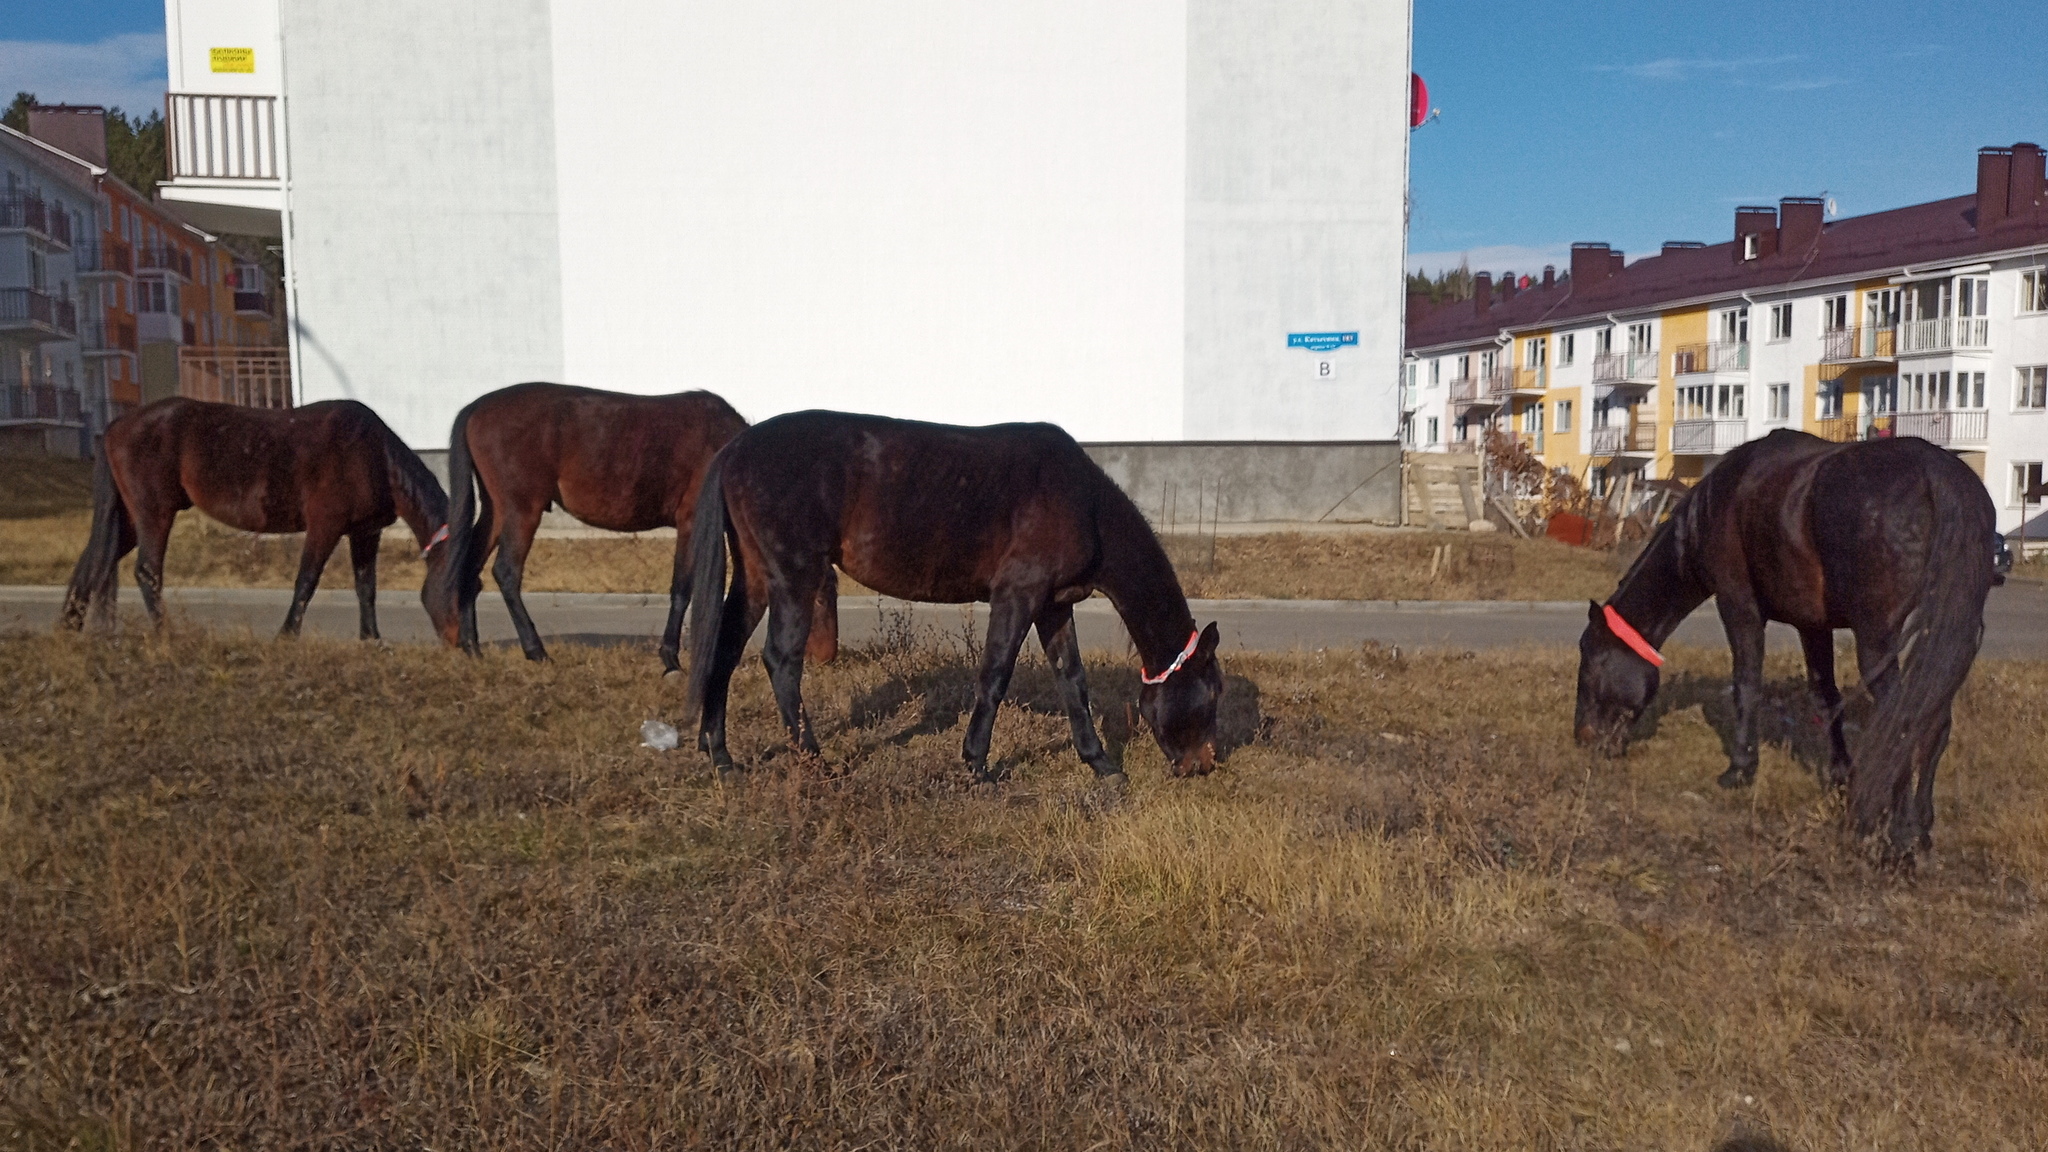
(659,736)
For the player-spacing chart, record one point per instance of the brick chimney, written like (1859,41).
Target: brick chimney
(1549,275)
(1994,186)
(1671,246)
(1799,224)
(1482,292)
(2025,189)
(1507,286)
(1761,223)
(1590,264)
(80,129)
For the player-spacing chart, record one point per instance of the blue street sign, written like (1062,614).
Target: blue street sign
(1321,341)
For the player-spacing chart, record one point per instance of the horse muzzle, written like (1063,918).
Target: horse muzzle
(1199,762)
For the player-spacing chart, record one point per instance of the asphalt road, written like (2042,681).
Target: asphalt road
(2016,619)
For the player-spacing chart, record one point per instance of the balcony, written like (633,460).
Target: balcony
(1707,437)
(1527,382)
(163,258)
(1859,342)
(35,215)
(99,338)
(1714,357)
(1944,335)
(1625,370)
(1533,441)
(1948,429)
(94,258)
(1474,394)
(1840,429)
(250,377)
(224,156)
(1640,440)
(36,316)
(257,304)
(39,404)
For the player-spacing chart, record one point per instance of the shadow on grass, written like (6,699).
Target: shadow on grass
(1787,717)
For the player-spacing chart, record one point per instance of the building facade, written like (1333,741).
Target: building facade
(1113,217)
(47,211)
(1927,321)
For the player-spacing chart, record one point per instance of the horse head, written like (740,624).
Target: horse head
(438,592)
(1180,708)
(1616,684)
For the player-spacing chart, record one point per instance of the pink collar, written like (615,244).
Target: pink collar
(1194,638)
(1631,637)
(439,535)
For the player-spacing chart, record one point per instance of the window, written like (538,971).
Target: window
(1603,341)
(1881,308)
(1693,402)
(1565,348)
(1639,339)
(2030,387)
(1781,321)
(1564,415)
(1432,429)
(2034,290)
(1730,402)
(1411,374)
(1532,419)
(1464,429)
(1828,400)
(1881,394)
(1973,296)
(2026,477)
(1464,371)
(1969,389)
(1535,352)
(1436,372)
(1778,402)
(1749,246)
(1834,313)
(1735,326)
(1602,410)
(1488,361)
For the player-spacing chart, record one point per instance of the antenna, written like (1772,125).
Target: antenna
(1833,210)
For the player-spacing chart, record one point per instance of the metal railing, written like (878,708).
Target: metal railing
(43,402)
(251,377)
(95,257)
(1944,428)
(1710,357)
(1464,390)
(1840,429)
(1618,441)
(36,215)
(221,137)
(163,258)
(1499,384)
(26,306)
(97,336)
(1625,368)
(1942,334)
(1523,381)
(1859,342)
(1707,437)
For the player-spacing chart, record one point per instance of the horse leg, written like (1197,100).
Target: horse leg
(321,540)
(789,632)
(362,555)
(1820,677)
(738,621)
(682,578)
(466,576)
(510,571)
(152,539)
(1745,628)
(1923,806)
(1010,611)
(1063,652)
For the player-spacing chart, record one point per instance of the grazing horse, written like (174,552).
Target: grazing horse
(1015,515)
(1883,537)
(615,461)
(329,470)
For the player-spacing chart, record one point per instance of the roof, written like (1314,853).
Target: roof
(1881,243)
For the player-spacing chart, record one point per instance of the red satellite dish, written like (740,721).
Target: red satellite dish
(1418,101)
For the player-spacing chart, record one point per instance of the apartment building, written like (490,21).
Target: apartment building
(1929,321)
(46,208)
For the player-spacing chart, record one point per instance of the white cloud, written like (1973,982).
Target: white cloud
(1676,68)
(1523,260)
(125,71)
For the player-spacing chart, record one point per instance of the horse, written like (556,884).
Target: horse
(1013,515)
(330,470)
(620,462)
(1882,537)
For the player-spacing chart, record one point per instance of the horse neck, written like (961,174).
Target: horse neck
(419,520)
(1139,580)
(1659,591)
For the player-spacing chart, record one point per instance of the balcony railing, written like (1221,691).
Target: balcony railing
(1528,381)
(1625,368)
(163,258)
(26,308)
(221,137)
(1945,333)
(251,377)
(1944,428)
(36,215)
(1500,383)
(1859,342)
(103,259)
(1533,441)
(1707,437)
(1713,357)
(41,402)
(1623,441)
(1840,429)
(100,338)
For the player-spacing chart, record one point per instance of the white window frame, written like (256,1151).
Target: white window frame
(2025,474)
(1778,403)
(1535,351)
(1827,400)
(1731,326)
(2033,298)
(1433,429)
(1436,371)
(1834,313)
(1781,322)
(1567,346)
(1642,338)
(1564,416)
(2030,388)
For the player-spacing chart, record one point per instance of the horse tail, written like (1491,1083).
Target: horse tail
(93,578)
(707,592)
(463,583)
(413,484)
(1932,653)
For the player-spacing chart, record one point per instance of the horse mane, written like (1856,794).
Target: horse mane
(1131,558)
(414,484)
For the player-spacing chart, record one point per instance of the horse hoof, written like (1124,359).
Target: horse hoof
(1113,781)
(1735,778)
(671,673)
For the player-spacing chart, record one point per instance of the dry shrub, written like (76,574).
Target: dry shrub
(263,894)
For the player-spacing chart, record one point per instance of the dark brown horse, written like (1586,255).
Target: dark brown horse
(614,461)
(330,470)
(1014,515)
(1888,538)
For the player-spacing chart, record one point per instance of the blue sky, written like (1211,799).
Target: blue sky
(1563,120)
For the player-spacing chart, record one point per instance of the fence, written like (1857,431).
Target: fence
(42,402)
(222,137)
(250,377)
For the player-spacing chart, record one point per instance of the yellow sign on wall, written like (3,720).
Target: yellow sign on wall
(233,59)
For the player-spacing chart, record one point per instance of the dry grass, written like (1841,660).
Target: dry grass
(265,894)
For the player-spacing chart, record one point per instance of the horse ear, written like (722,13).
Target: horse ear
(1593,613)
(1210,637)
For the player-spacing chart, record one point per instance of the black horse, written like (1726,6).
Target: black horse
(1014,515)
(1883,537)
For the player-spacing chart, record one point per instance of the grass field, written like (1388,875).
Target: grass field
(279,894)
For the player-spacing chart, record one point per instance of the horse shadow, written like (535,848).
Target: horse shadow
(943,694)
(1788,715)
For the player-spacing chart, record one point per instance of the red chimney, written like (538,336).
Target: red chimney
(1799,224)
(1994,179)
(1760,223)
(1507,285)
(80,129)
(2025,191)
(1590,265)
(1482,292)
(1549,275)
